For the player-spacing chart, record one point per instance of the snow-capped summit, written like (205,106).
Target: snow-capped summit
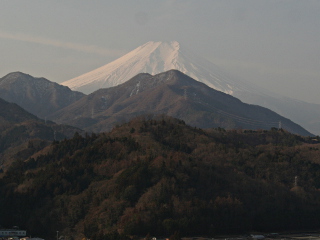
(154,58)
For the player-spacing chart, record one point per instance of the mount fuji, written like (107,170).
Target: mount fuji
(158,57)
(154,58)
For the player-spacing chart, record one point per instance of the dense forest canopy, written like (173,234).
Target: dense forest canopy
(159,176)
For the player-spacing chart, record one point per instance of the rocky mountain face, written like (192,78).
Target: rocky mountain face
(157,57)
(22,134)
(172,93)
(38,96)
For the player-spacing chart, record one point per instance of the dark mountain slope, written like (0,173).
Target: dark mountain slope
(160,176)
(21,132)
(38,96)
(174,94)
(11,113)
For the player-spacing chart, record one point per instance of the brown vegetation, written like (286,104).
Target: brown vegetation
(159,176)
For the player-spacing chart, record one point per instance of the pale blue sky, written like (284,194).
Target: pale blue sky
(273,43)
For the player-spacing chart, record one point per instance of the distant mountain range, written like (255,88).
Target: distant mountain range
(172,93)
(38,96)
(157,57)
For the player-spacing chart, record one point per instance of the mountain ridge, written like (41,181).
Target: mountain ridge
(173,93)
(38,96)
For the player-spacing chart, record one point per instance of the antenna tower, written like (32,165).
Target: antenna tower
(296,181)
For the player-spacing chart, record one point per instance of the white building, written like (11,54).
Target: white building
(7,233)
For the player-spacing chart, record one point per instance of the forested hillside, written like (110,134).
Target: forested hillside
(159,176)
(22,134)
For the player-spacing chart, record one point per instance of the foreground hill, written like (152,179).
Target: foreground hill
(38,96)
(172,93)
(22,133)
(160,176)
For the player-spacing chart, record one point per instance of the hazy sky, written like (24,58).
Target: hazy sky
(273,43)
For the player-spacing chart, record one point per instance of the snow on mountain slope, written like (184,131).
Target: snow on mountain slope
(154,58)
